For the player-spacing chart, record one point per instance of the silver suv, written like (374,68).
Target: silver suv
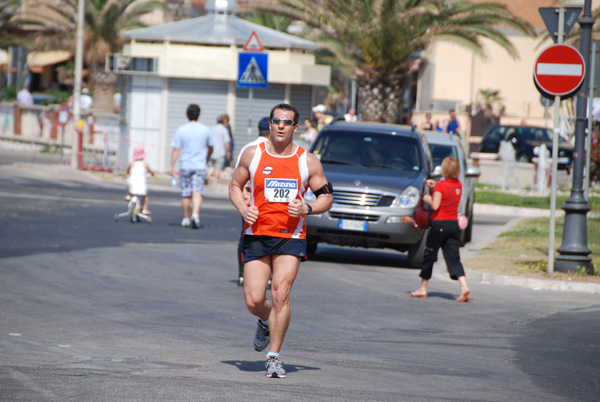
(378,172)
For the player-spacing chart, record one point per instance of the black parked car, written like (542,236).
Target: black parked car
(526,141)
(378,172)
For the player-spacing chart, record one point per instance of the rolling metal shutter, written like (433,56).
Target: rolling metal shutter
(262,102)
(301,99)
(211,96)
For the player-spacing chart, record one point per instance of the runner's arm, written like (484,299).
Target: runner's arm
(316,180)
(241,175)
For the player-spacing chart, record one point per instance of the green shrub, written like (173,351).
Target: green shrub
(10,92)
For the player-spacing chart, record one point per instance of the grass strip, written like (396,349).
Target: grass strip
(484,196)
(523,251)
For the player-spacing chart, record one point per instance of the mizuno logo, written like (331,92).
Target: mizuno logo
(282,183)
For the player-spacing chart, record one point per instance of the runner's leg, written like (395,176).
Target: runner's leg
(256,277)
(285,270)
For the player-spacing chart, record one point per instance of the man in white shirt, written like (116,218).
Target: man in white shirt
(25,97)
(221,149)
(351,115)
(86,102)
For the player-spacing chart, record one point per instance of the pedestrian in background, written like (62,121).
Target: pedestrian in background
(192,145)
(221,150)
(427,124)
(351,115)
(263,136)
(321,116)
(227,125)
(25,97)
(275,231)
(444,231)
(136,182)
(86,102)
(453,126)
(310,132)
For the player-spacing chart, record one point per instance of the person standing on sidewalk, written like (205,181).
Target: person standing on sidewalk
(221,150)
(263,136)
(444,231)
(193,146)
(275,232)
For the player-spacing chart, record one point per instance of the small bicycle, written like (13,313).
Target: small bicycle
(134,211)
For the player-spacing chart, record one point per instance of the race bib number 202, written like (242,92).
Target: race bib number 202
(281,190)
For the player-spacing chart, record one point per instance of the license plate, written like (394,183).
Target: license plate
(352,225)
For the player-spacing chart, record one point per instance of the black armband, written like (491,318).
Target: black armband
(326,189)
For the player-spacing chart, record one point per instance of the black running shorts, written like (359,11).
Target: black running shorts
(256,247)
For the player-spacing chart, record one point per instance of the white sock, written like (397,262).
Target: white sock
(272,354)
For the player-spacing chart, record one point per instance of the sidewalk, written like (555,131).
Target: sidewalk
(163,183)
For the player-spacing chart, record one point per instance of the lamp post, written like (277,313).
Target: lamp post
(574,252)
(77,83)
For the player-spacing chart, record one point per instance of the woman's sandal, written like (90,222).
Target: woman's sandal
(464,298)
(413,294)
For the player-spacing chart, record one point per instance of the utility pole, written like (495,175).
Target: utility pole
(574,252)
(77,84)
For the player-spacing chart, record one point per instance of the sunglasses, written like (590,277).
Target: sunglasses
(286,122)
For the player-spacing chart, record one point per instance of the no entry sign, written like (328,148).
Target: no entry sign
(559,70)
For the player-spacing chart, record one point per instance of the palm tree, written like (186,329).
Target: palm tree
(12,29)
(377,38)
(8,26)
(105,21)
(269,20)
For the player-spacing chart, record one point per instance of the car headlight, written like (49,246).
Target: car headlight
(409,198)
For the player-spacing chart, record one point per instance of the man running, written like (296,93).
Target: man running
(279,172)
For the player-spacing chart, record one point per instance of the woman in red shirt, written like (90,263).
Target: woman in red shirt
(443,229)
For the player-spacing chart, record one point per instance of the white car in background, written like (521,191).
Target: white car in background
(442,145)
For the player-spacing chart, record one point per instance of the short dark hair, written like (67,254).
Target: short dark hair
(263,127)
(285,106)
(221,119)
(193,111)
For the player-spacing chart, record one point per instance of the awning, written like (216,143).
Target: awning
(36,61)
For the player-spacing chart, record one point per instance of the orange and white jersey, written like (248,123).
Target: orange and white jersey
(276,181)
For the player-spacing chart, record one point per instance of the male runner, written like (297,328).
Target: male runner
(275,232)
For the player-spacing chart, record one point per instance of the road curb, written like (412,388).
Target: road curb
(514,211)
(532,283)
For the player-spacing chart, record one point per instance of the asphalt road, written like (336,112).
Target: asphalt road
(93,310)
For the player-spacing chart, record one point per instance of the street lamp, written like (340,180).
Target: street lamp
(77,83)
(574,252)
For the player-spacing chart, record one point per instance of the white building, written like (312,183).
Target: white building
(167,67)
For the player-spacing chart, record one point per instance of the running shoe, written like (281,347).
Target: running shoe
(186,222)
(274,368)
(195,222)
(262,337)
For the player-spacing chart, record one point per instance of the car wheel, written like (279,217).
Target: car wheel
(416,252)
(522,158)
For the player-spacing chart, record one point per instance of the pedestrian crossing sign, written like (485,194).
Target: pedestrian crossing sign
(253,69)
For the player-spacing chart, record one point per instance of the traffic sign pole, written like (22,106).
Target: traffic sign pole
(252,72)
(574,252)
(250,98)
(588,137)
(552,228)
